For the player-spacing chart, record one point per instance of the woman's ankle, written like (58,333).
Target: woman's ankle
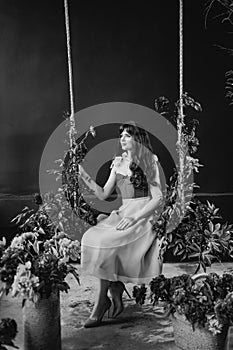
(100,305)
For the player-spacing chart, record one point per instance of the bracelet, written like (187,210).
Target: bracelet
(88,178)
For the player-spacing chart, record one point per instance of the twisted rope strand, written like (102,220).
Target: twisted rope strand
(72,129)
(71,93)
(181,109)
(181,56)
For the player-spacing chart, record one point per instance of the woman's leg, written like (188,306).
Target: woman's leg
(117,289)
(102,299)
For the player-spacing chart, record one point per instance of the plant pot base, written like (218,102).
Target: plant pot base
(200,339)
(41,323)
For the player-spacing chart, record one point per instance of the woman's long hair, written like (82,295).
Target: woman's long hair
(143,161)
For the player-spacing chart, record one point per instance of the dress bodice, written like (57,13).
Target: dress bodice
(124,184)
(127,189)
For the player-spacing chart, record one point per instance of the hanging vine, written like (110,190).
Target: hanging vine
(70,180)
(187,144)
(229,86)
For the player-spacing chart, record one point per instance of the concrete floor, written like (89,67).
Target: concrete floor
(138,327)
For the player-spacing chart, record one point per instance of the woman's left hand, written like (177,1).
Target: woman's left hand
(126,223)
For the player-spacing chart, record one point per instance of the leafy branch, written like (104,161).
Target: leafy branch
(70,180)
(200,233)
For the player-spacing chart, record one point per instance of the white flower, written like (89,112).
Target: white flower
(17,242)
(3,241)
(213,324)
(28,265)
(92,131)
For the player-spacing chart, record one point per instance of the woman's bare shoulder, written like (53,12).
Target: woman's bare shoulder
(116,161)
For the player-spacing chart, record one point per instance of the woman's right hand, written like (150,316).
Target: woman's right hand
(81,170)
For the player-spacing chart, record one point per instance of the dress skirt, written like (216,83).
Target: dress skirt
(130,255)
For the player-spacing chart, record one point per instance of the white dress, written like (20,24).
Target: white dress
(130,255)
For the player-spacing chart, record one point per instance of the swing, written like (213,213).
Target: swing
(78,149)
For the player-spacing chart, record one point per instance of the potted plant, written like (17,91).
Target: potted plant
(34,266)
(199,232)
(201,307)
(201,237)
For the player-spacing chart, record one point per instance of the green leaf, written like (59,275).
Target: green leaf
(217,226)
(54,251)
(207,260)
(180,252)
(193,255)
(36,247)
(195,247)
(41,285)
(203,265)
(40,230)
(211,226)
(215,247)
(175,250)
(75,274)
(17,218)
(170,237)
(184,256)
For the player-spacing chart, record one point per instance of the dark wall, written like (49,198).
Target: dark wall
(122,51)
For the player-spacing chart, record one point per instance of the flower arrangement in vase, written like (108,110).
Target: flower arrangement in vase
(34,266)
(37,260)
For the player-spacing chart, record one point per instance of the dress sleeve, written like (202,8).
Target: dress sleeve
(116,162)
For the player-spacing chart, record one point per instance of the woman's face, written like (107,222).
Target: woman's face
(127,141)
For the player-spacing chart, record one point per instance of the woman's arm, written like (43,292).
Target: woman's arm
(101,193)
(148,209)
(154,203)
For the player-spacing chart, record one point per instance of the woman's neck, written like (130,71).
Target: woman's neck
(128,155)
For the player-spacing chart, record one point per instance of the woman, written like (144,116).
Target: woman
(122,247)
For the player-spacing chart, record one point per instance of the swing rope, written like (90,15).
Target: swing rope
(181,112)
(181,57)
(72,130)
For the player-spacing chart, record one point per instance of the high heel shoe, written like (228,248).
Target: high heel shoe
(117,289)
(95,321)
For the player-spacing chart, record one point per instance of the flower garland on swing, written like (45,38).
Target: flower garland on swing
(70,180)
